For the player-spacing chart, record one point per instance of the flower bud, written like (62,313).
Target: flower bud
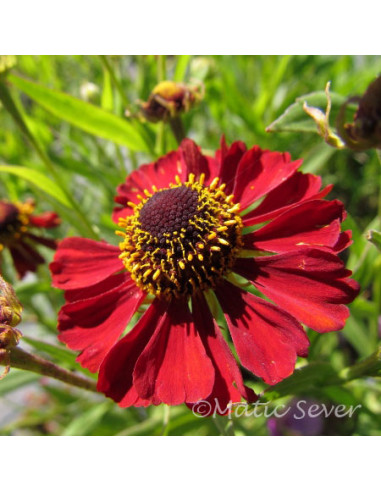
(9,337)
(10,316)
(168,99)
(365,131)
(10,307)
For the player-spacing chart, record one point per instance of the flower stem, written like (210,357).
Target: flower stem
(10,106)
(371,366)
(20,359)
(177,128)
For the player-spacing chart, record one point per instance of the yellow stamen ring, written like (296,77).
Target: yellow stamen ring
(164,237)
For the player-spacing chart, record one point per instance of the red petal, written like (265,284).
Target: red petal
(174,367)
(80,262)
(344,241)
(121,213)
(314,223)
(228,385)
(297,188)
(311,284)
(195,162)
(94,290)
(48,243)
(230,157)
(93,325)
(46,220)
(259,172)
(267,339)
(25,258)
(115,374)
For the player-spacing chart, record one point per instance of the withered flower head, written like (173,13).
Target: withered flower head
(365,131)
(17,225)
(10,316)
(168,99)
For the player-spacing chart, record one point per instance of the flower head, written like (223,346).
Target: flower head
(168,100)
(16,222)
(188,234)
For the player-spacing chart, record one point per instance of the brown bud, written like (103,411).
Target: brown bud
(365,131)
(10,307)
(9,337)
(10,316)
(168,99)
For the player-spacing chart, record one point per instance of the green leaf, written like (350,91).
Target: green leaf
(87,421)
(356,334)
(86,116)
(38,179)
(181,67)
(295,119)
(16,379)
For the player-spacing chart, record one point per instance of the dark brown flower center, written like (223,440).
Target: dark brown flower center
(169,210)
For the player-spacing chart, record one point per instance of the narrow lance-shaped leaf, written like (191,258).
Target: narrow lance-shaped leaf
(86,116)
(38,179)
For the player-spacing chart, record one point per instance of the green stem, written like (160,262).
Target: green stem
(10,106)
(177,128)
(371,366)
(160,138)
(33,363)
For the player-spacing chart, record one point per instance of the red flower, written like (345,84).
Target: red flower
(16,220)
(182,239)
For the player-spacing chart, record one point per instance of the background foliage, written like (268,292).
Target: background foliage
(70,156)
